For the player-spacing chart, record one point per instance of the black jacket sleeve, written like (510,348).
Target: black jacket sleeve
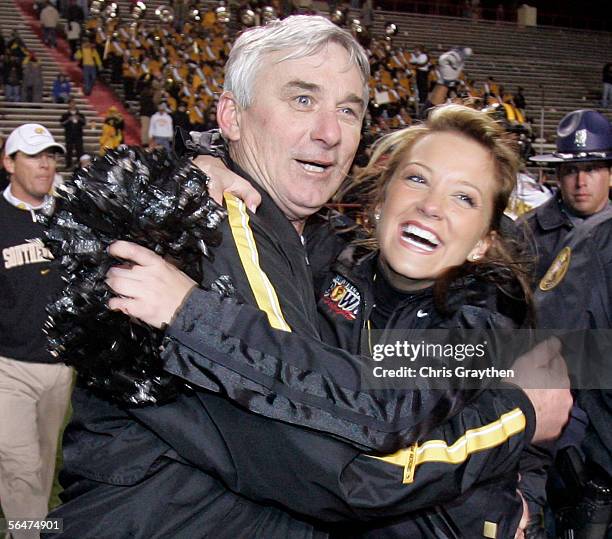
(317,475)
(220,345)
(305,470)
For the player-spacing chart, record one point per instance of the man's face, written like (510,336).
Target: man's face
(585,186)
(31,175)
(300,134)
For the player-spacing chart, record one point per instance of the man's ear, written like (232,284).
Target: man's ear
(228,116)
(9,164)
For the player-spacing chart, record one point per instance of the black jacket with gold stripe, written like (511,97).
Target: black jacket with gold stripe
(135,472)
(224,346)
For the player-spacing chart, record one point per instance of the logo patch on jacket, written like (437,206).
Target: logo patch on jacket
(343,298)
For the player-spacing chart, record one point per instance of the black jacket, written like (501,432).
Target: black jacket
(578,300)
(134,473)
(281,375)
(73,126)
(28,279)
(546,227)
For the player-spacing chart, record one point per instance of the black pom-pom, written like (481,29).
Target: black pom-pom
(135,195)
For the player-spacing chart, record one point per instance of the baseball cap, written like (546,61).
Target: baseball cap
(31,139)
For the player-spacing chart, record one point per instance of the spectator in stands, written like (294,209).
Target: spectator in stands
(4,176)
(85,160)
(606,97)
(476,10)
(161,128)
(32,79)
(491,90)
(15,45)
(34,387)
(519,100)
(500,14)
(181,10)
(180,118)
(130,74)
(451,64)
(90,60)
(12,81)
(367,14)
(420,60)
(84,5)
(49,18)
(61,89)
(73,35)
(2,56)
(16,52)
(113,58)
(112,130)
(211,120)
(75,13)
(147,108)
(73,122)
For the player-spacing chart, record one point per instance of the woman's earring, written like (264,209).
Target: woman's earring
(377,216)
(473,258)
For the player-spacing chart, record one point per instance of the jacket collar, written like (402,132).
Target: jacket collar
(276,221)
(552,215)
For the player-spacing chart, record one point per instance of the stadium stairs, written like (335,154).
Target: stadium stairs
(18,14)
(47,112)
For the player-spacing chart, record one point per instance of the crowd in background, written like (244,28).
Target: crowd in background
(177,66)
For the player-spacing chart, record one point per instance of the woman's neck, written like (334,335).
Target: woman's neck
(401,282)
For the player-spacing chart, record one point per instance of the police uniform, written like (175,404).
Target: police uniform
(548,226)
(573,292)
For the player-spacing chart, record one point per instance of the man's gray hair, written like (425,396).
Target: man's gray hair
(301,36)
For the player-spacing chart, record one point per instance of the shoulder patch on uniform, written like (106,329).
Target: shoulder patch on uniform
(557,270)
(343,298)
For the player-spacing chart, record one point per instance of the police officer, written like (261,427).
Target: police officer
(583,161)
(572,236)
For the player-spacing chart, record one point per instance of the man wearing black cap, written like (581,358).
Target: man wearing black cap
(34,387)
(583,160)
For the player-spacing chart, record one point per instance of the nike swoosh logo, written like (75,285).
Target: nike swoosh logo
(421,313)
(44,272)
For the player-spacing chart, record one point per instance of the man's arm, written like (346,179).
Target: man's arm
(314,474)
(220,345)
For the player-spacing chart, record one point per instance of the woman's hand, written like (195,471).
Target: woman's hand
(151,289)
(223,180)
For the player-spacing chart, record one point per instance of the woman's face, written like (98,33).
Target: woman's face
(437,209)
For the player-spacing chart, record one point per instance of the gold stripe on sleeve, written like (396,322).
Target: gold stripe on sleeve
(474,440)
